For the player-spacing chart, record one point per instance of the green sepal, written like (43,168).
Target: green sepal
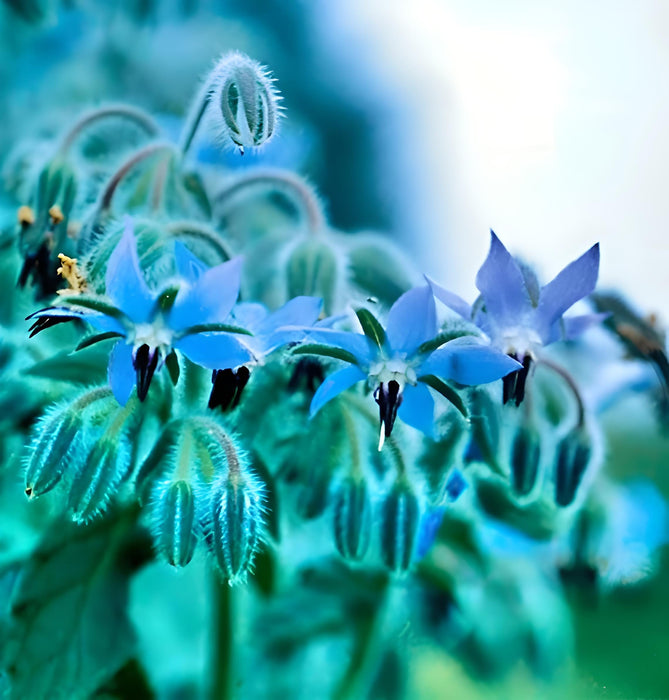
(326,351)
(172,364)
(96,305)
(448,392)
(168,297)
(371,327)
(97,338)
(444,337)
(213,328)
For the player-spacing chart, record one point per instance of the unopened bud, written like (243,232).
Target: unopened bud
(400,516)
(525,456)
(312,271)
(352,519)
(574,452)
(173,523)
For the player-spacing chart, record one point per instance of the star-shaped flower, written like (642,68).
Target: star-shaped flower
(402,361)
(151,324)
(517,314)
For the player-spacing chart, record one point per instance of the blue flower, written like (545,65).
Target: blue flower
(150,324)
(517,314)
(400,362)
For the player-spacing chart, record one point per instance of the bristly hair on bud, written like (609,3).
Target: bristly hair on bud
(243,102)
(173,520)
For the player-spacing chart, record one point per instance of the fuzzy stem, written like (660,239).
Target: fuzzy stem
(139,117)
(194,117)
(202,232)
(571,383)
(289,185)
(222,642)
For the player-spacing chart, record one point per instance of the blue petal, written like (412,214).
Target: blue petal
(428,529)
(124,281)
(572,327)
(337,382)
(468,362)
(453,301)
(210,299)
(576,281)
(417,408)
(300,311)
(502,286)
(412,320)
(121,372)
(188,266)
(214,350)
(249,315)
(356,343)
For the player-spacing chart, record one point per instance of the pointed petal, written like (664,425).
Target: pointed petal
(124,281)
(572,327)
(337,382)
(356,343)
(417,408)
(576,281)
(468,362)
(210,299)
(214,350)
(121,372)
(502,286)
(249,315)
(300,311)
(412,320)
(453,301)
(188,265)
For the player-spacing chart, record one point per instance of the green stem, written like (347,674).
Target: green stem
(571,383)
(222,642)
(292,187)
(139,117)
(200,232)
(198,108)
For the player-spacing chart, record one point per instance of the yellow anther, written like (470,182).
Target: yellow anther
(69,271)
(25,216)
(56,214)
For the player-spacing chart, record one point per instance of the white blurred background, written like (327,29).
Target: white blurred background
(546,121)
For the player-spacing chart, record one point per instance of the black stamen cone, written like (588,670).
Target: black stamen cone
(514,384)
(309,373)
(145,362)
(227,387)
(44,322)
(389,399)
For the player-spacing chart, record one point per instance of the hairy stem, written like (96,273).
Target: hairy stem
(200,232)
(222,640)
(194,117)
(571,383)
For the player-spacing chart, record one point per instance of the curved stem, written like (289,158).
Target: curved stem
(194,117)
(571,383)
(294,188)
(194,229)
(139,117)
(222,640)
(108,192)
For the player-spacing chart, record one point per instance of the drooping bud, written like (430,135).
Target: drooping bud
(173,525)
(485,422)
(573,455)
(244,104)
(525,456)
(312,271)
(352,518)
(400,517)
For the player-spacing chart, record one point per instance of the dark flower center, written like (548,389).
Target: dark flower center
(514,383)
(389,398)
(145,361)
(308,373)
(227,387)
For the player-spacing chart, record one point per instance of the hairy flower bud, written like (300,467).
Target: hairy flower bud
(400,517)
(573,455)
(244,104)
(525,456)
(173,523)
(312,271)
(485,419)
(352,518)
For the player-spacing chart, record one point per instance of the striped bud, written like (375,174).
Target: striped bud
(525,456)
(573,452)
(98,477)
(244,104)
(485,419)
(234,523)
(352,519)
(312,271)
(173,523)
(400,516)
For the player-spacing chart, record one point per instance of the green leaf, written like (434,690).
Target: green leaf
(326,351)
(86,367)
(371,327)
(97,338)
(448,392)
(67,631)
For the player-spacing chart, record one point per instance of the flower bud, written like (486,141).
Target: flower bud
(400,516)
(173,524)
(234,523)
(352,518)
(574,453)
(312,271)
(525,456)
(485,419)
(244,104)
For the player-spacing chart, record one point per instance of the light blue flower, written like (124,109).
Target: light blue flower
(517,314)
(151,324)
(402,361)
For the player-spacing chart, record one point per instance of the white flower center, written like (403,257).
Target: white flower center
(155,334)
(519,341)
(392,369)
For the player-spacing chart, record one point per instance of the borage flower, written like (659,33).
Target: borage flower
(402,361)
(268,331)
(150,324)
(520,317)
